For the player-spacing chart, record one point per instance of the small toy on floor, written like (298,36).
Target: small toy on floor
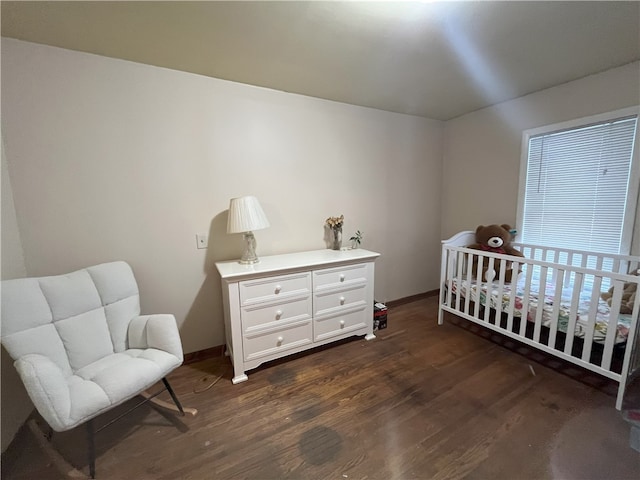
(379,316)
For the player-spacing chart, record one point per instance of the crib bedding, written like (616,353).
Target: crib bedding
(582,321)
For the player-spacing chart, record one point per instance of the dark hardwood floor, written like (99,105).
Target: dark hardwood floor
(421,401)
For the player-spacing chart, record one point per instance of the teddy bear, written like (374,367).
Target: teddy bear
(495,239)
(628,295)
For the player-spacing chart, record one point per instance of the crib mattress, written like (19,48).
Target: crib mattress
(602,315)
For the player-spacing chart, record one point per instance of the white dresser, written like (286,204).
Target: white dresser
(288,303)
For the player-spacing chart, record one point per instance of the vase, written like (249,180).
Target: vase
(336,241)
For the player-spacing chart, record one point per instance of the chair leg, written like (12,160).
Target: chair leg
(176,406)
(92,449)
(173,395)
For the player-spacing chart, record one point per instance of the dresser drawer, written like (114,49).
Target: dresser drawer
(331,278)
(274,289)
(275,314)
(347,298)
(340,324)
(274,342)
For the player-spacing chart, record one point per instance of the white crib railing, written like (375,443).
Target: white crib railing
(578,274)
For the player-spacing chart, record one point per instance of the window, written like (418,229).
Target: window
(579,184)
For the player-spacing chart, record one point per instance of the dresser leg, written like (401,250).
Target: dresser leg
(239,378)
(369,336)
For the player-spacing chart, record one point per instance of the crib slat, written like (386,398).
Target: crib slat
(487,297)
(573,314)
(593,310)
(501,275)
(599,261)
(512,296)
(567,278)
(467,297)
(550,255)
(625,267)
(459,263)
(543,254)
(612,324)
(450,277)
(525,300)
(476,306)
(555,259)
(616,266)
(557,298)
(585,260)
(541,302)
(530,253)
(443,290)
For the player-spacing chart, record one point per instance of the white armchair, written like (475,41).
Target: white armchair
(81,347)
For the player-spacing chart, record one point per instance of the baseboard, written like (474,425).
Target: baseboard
(205,354)
(412,298)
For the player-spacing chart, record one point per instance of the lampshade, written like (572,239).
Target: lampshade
(246,215)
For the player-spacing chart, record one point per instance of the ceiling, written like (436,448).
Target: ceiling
(433,59)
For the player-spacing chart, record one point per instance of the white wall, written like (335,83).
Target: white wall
(15,404)
(116,160)
(482,149)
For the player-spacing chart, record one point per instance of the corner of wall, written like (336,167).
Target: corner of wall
(11,256)
(15,405)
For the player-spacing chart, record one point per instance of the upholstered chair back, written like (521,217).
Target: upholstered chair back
(74,319)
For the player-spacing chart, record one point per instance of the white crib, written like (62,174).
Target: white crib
(553,305)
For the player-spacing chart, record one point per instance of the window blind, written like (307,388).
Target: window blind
(576,186)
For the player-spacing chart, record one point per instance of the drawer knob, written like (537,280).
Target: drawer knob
(342,277)
(341,323)
(280,340)
(278,314)
(342,300)
(278,288)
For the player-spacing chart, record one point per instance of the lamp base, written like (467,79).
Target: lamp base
(249,256)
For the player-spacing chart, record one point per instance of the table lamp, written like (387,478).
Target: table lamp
(245,216)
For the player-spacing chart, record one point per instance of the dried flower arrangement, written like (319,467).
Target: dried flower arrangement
(335,222)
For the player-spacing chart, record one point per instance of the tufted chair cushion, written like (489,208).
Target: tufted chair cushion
(80,344)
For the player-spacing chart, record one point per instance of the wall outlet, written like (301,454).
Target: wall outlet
(202,240)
